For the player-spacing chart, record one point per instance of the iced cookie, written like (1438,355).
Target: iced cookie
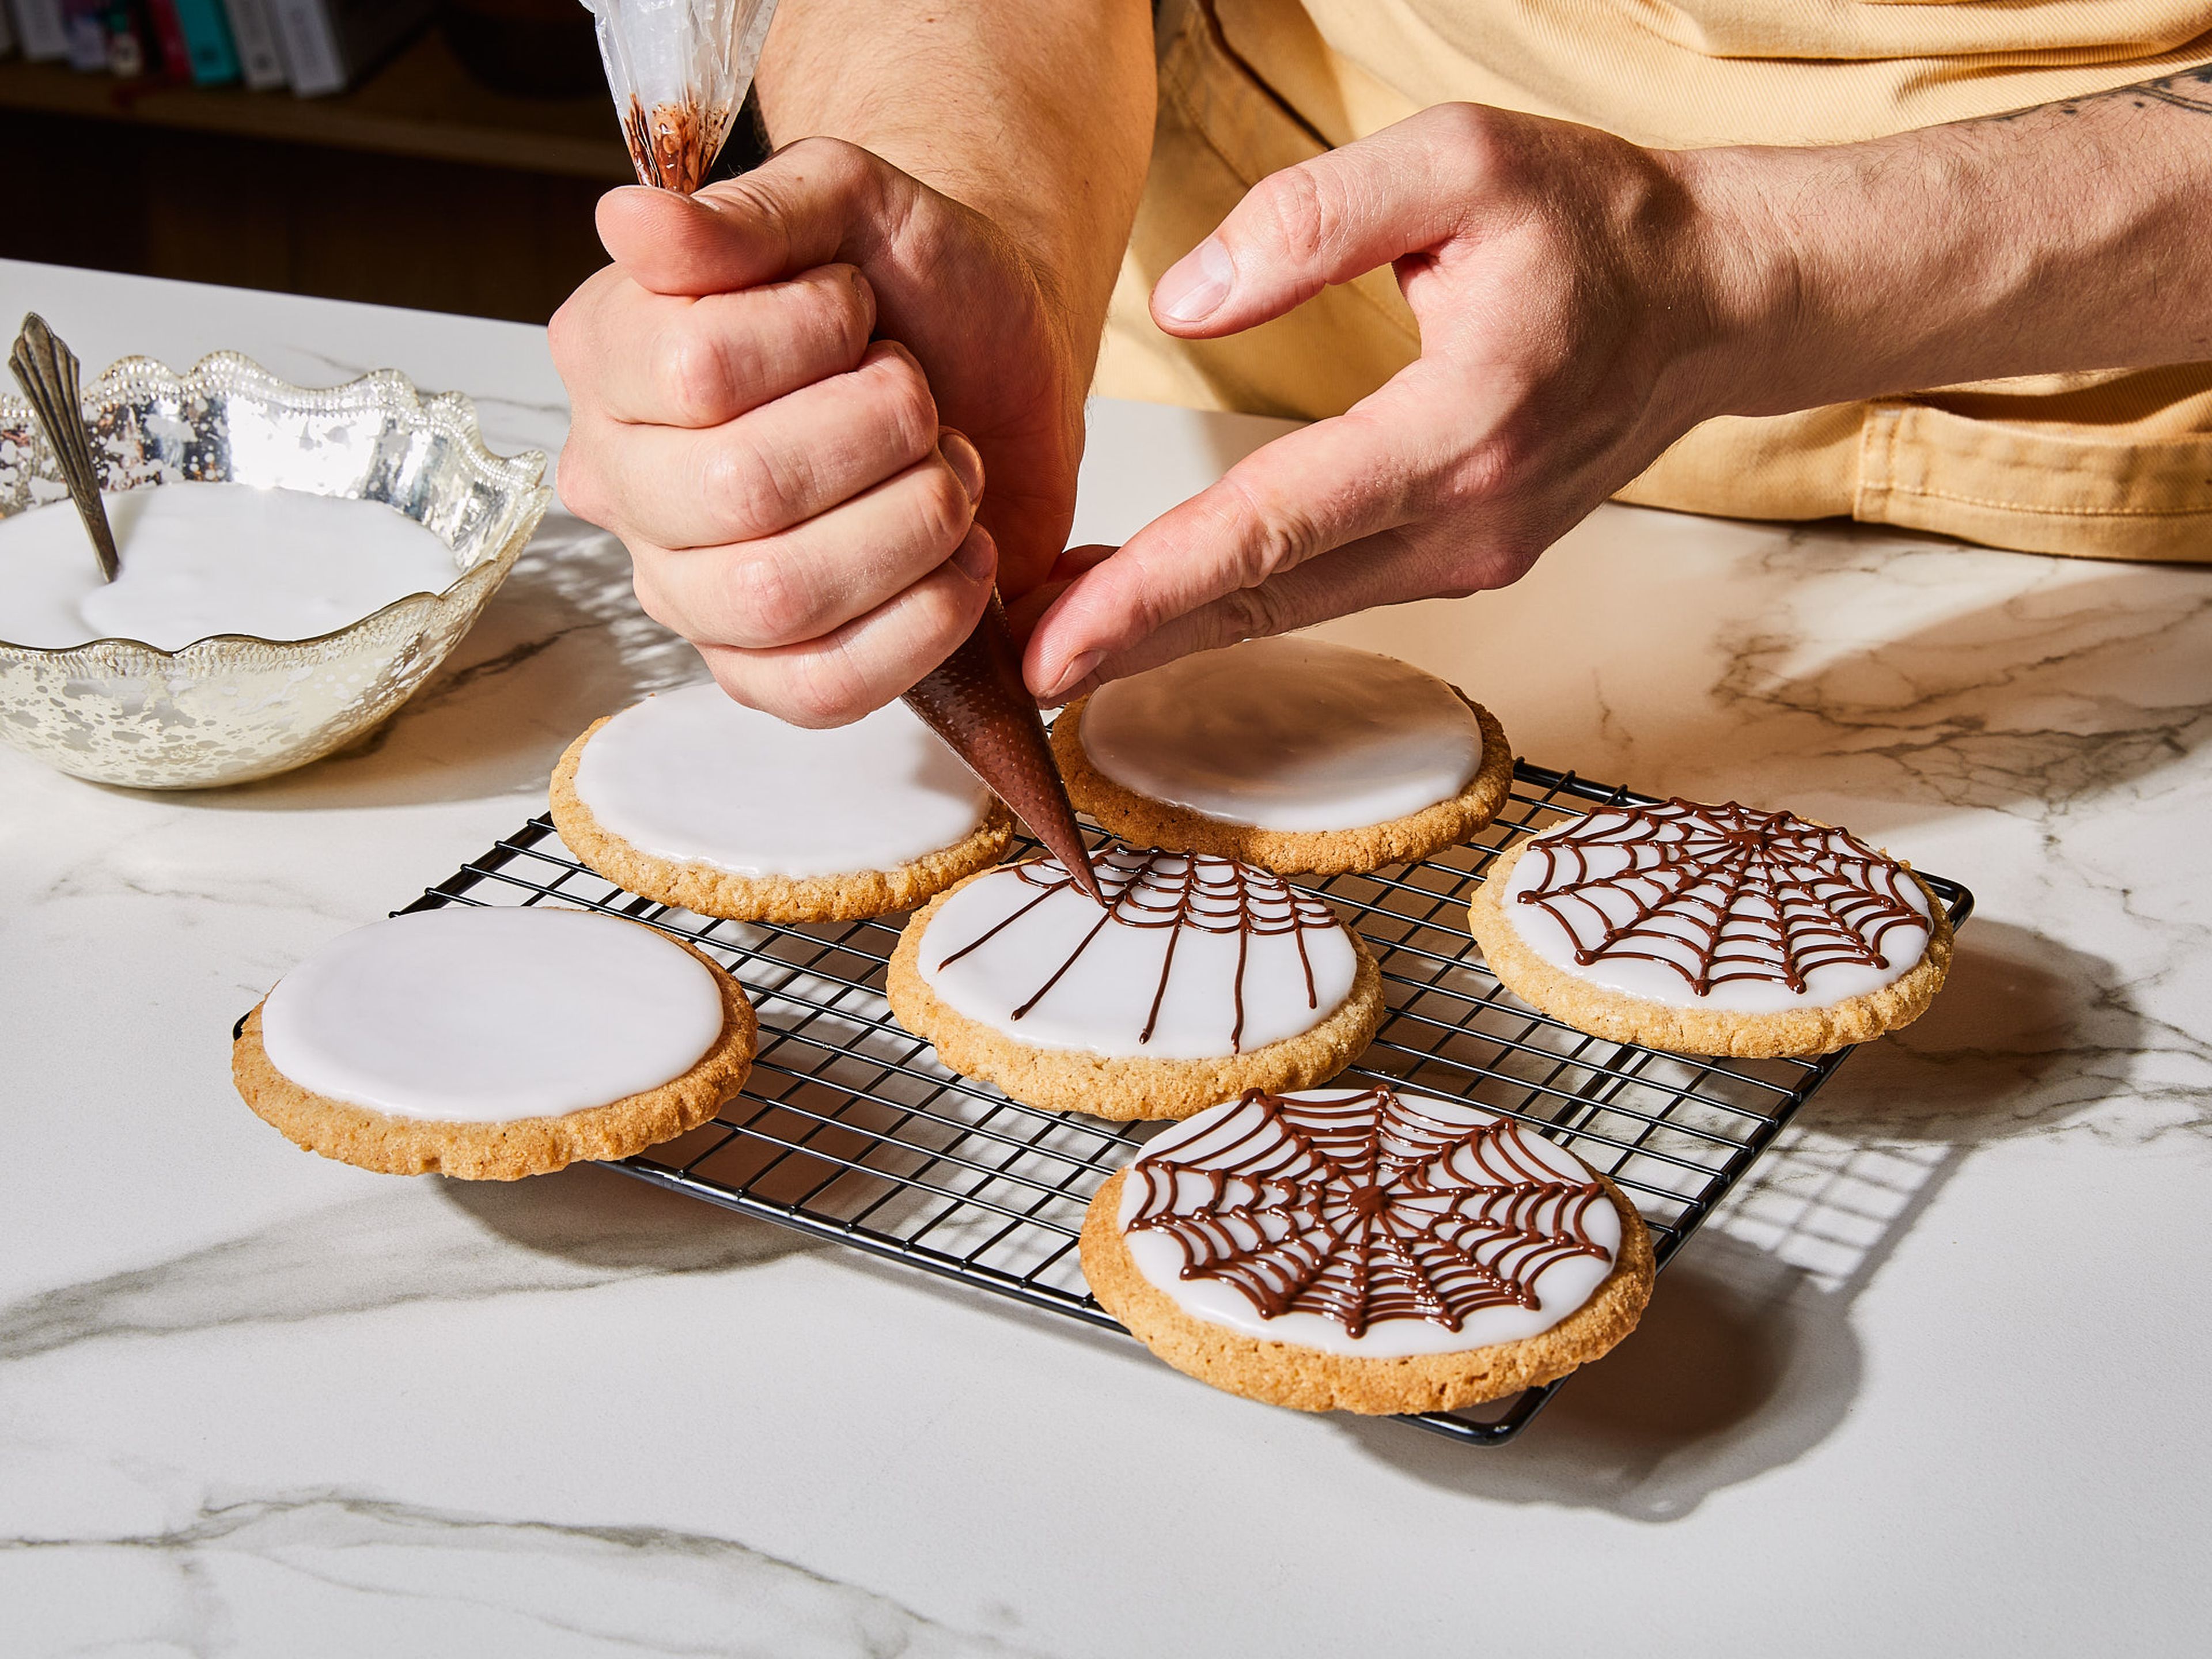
(701,803)
(1712,930)
(1198,977)
(1367,1250)
(1293,754)
(494,1043)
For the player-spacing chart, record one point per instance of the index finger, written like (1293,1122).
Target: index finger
(1309,491)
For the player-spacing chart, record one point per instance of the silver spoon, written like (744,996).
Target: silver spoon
(47,371)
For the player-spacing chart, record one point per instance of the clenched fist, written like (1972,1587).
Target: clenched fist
(788,393)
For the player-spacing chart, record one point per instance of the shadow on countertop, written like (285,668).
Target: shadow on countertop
(1747,1358)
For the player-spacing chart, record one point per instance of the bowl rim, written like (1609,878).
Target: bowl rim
(526,468)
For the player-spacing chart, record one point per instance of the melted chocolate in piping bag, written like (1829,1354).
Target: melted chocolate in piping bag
(679,70)
(976,702)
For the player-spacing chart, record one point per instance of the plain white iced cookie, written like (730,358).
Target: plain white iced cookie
(1294,754)
(1287,733)
(698,801)
(478,1015)
(492,1043)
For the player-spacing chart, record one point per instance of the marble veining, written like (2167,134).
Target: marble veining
(231,1577)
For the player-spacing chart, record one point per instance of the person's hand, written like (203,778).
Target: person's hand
(1573,323)
(795,489)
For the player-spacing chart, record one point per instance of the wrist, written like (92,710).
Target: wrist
(1747,268)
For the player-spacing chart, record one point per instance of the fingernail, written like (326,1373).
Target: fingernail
(1076,672)
(977,556)
(966,463)
(1197,284)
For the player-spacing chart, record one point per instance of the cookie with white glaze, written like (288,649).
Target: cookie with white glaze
(1367,1250)
(1712,930)
(492,1044)
(1198,977)
(1294,753)
(699,802)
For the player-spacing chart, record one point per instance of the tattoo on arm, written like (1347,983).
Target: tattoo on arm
(2190,89)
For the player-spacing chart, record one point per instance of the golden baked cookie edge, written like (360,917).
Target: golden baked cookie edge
(1142,821)
(705,890)
(388,1145)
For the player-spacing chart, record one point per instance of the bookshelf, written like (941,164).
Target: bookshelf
(421,104)
(419,187)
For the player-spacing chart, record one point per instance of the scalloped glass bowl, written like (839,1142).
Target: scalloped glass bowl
(234,707)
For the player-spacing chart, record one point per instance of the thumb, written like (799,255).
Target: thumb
(1329,220)
(812,204)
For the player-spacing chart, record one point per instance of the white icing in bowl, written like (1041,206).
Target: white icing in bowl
(1107,986)
(694,778)
(1285,733)
(481,1015)
(203,559)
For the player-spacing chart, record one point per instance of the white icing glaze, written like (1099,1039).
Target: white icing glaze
(1239,1139)
(1286,734)
(199,559)
(1111,971)
(1640,865)
(482,1016)
(692,777)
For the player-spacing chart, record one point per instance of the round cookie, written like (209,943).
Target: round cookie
(1367,1250)
(1200,977)
(491,1044)
(1712,930)
(699,802)
(1291,753)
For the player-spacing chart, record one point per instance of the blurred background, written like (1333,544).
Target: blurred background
(439,153)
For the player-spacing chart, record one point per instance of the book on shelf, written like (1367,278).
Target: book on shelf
(328,44)
(253,32)
(40,28)
(86,25)
(165,40)
(207,51)
(7,31)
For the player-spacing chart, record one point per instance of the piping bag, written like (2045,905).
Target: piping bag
(679,70)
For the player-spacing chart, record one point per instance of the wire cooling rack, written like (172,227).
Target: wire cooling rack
(849,1129)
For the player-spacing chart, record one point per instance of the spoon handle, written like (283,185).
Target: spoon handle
(47,371)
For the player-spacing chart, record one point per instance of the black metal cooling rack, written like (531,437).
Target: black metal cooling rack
(849,1129)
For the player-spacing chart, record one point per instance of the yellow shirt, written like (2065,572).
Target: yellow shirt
(2111,464)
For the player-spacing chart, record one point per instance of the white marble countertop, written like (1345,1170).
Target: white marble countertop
(1934,1385)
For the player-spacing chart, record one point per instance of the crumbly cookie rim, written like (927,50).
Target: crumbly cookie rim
(848,1131)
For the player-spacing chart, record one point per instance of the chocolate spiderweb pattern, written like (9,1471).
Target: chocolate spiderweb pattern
(1175,892)
(1720,893)
(1364,1209)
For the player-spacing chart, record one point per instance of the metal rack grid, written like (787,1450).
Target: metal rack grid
(849,1128)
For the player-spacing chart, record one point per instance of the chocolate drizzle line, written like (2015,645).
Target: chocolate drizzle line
(1364,1209)
(1742,895)
(1175,891)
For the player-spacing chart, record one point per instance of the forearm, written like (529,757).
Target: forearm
(1037,114)
(2071,236)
